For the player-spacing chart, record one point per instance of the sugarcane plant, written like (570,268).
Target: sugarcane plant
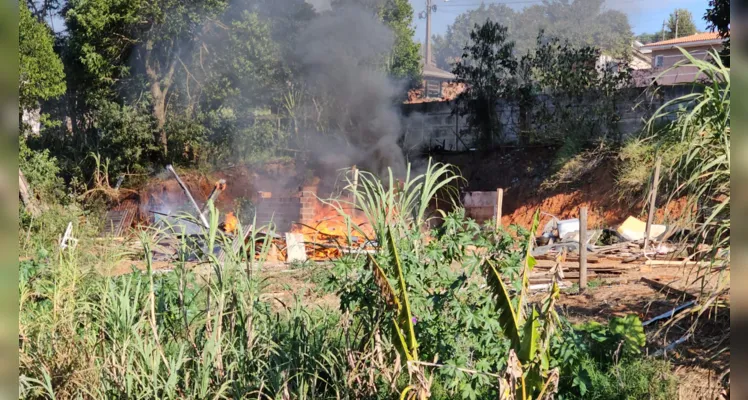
(701,174)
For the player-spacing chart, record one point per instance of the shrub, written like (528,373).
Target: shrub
(123,135)
(42,173)
(637,160)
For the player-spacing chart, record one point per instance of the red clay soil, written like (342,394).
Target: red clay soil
(521,174)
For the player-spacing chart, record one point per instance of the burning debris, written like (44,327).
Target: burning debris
(229,223)
(315,228)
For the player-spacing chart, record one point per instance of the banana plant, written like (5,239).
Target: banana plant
(403,332)
(527,375)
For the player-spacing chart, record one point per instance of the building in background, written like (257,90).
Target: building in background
(434,79)
(665,54)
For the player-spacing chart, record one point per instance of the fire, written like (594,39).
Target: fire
(229,223)
(329,232)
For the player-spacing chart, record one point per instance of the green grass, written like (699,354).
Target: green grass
(205,332)
(632,380)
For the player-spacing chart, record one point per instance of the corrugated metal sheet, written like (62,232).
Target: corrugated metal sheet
(119,219)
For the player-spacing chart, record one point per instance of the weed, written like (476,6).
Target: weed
(629,380)
(410,323)
(594,283)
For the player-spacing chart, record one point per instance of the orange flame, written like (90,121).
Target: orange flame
(328,230)
(229,223)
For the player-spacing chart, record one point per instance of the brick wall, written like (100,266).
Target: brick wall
(287,209)
(308,204)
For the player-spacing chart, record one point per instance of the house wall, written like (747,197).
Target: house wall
(672,56)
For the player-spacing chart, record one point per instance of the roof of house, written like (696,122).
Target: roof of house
(431,72)
(690,40)
(666,76)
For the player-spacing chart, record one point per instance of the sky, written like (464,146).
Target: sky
(645,16)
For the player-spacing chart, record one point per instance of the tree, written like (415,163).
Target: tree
(41,71)
(449,48)
(582,95)
(41,9)
(646,38)
(108,36)
(718,18)
(581,22)
(405,59)
(488,67)
(681,21)
(586,23)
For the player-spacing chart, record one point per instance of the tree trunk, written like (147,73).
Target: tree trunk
(159,113)
(26,196)
(160,82)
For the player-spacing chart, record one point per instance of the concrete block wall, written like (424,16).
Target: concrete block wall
(480,206)
(282,209)
(433,124)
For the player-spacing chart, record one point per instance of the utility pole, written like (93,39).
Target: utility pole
(676,24)
(430,8)
(662,35)
(428,32)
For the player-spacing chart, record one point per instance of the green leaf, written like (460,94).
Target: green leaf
(530,338)
(405,318)
(508,317)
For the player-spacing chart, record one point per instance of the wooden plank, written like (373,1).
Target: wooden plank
(499,200)
(189,195)
(677,263)
(652,202)
(582,248)
(591,258)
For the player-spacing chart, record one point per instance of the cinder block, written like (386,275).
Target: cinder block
(479,199)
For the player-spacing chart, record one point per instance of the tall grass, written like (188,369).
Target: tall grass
(401,202)
(700,121)
(411,325)
(191,333)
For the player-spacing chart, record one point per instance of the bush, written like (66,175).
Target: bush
(124,135)
(42,173)
(240,137)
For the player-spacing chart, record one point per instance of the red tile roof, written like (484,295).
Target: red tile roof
(699,37)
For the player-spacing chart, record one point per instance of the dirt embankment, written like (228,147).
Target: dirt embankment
(522,172)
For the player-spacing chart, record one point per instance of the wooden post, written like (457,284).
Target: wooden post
(582,248)
(652,202)
(499,201)
(354,191)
